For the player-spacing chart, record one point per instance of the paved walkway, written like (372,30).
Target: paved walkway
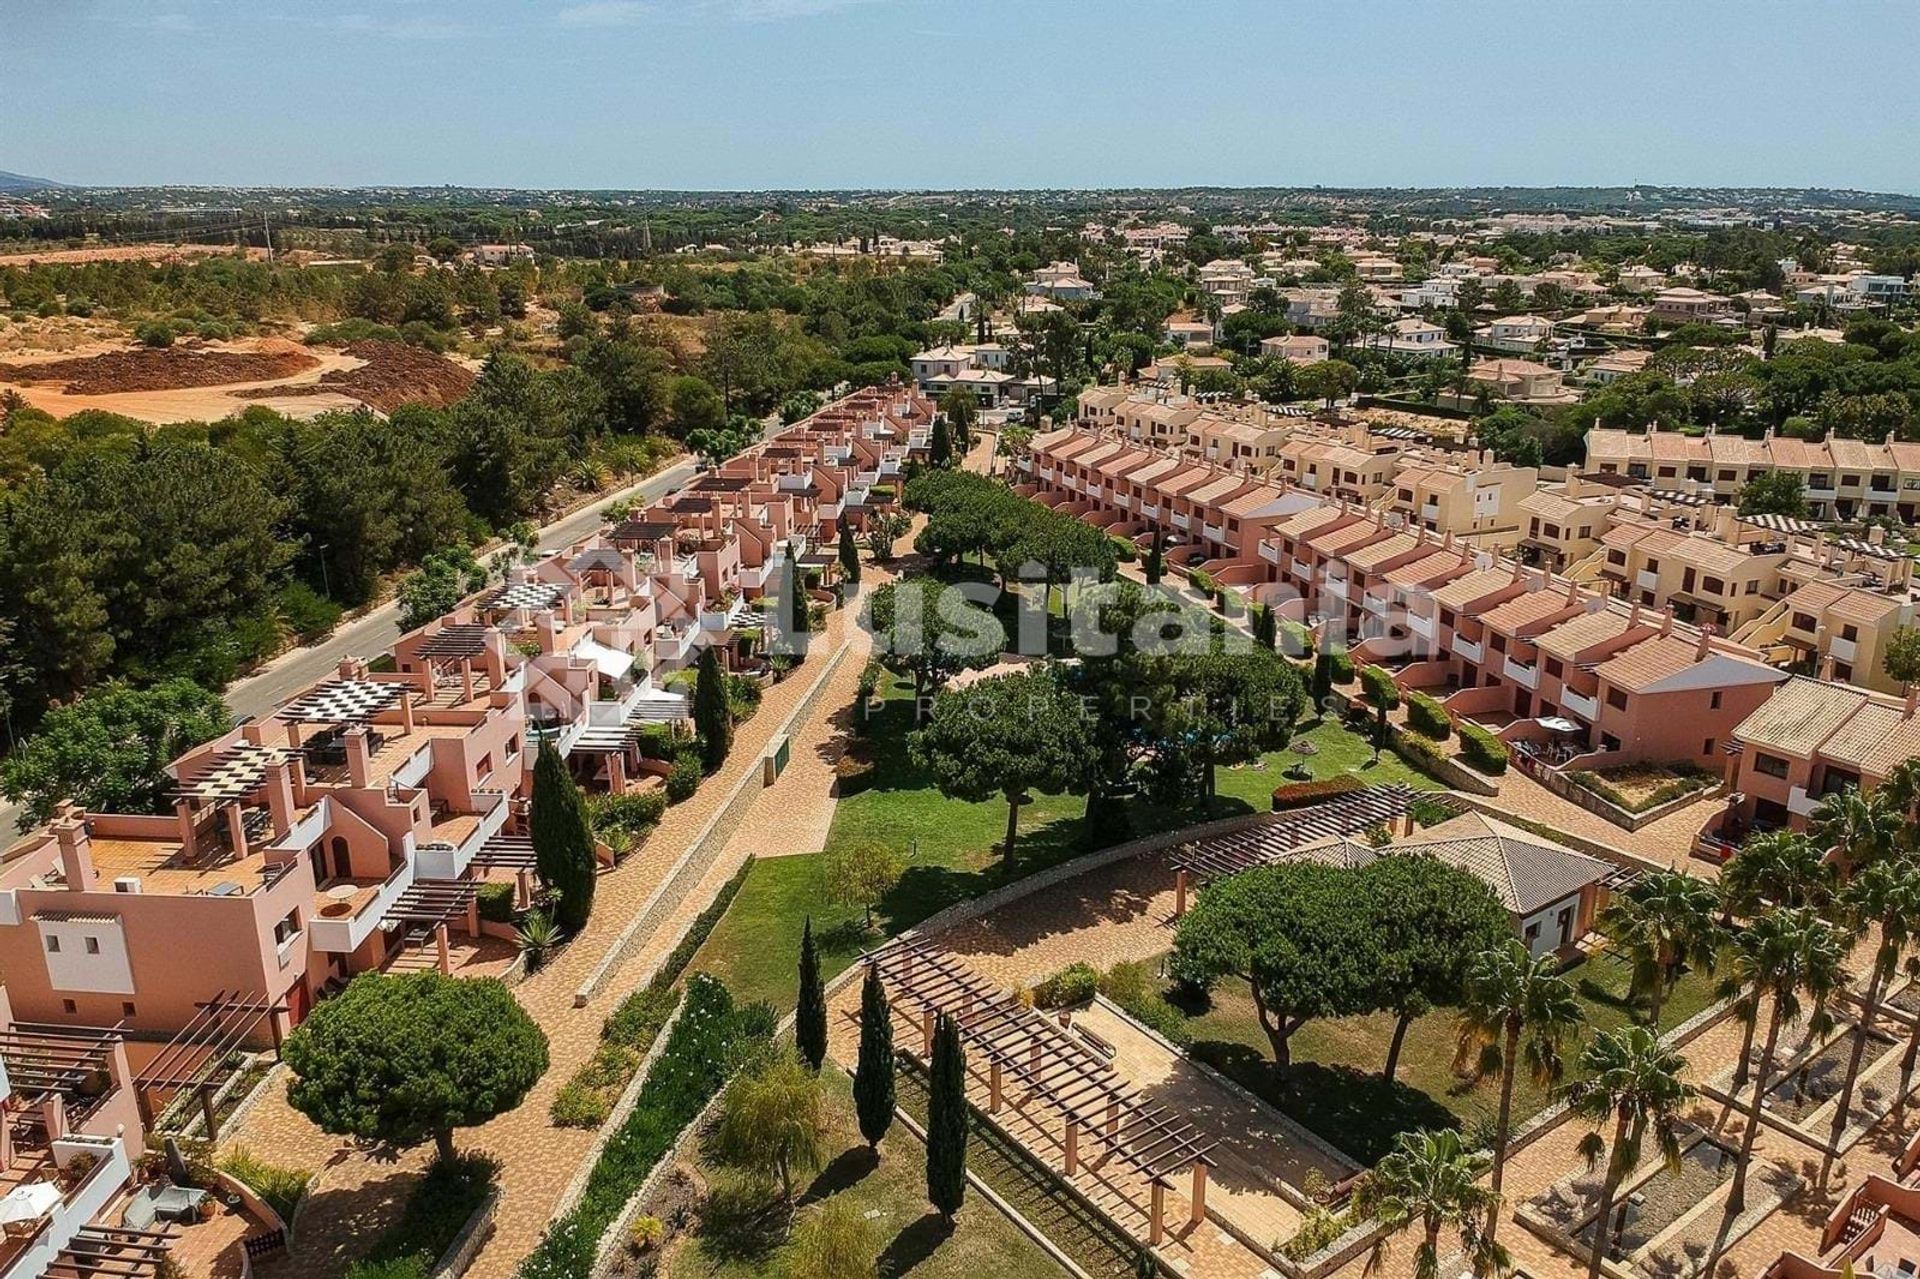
(361,1194)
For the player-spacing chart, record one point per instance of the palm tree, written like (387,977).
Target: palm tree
(1790,953)
(1432,1180)
(1632,1080)
(772,1119)
(1515,1009)
(1884,894)
(1858,827)
(1664,923)
(1780,868)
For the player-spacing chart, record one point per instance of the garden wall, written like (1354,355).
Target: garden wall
(675,884)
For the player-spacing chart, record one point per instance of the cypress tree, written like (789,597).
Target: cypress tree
(810,1014)
(947,1122)
(941,446)
(802,607)
(1322,679)
(1265,632)
(849,555)
(873,1078)
(562,842)
(1156,561)
(711,717)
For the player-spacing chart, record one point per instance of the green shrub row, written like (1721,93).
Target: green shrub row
(711,1036)
(1482,749)
(1428,717)
(1377,682)
(628,1032)
(1300,794)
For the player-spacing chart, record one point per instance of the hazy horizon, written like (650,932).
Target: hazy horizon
(798,95)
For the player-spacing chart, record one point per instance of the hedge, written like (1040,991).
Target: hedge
(1342,667)
(1295,639)
(1428,717)
(496,903)
(1300,794)
(1482,749)
(710,1035)
(684,780)
(436,1212)
(1421,751)
(1074,984)
(1378,683)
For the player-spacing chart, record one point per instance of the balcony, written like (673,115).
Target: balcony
(1214,532)
(1181,522)
(1520,673)
(1270,552)
(1586,708)
(1420,624)
(450,860)
(1152,512)
(1843,650)
(1801,804)
(343,935)
(1647,581)
(1464,647)
(1336,587)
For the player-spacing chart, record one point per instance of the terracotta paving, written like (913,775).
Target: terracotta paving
(357,1194)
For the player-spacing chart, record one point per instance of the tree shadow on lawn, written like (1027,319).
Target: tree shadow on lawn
(913,1245)
(1357,1111)
(743,1219)
(846,1170)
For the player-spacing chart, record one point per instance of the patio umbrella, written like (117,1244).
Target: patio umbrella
(1557,724)
(28,1203)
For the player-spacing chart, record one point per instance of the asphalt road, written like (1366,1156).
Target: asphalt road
(373,633)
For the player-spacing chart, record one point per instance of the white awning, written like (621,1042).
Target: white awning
(1558,724)
(611,662)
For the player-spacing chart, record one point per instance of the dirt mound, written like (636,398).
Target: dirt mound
(394,374)
(144,369)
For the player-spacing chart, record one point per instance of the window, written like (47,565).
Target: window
(1769,765)
(1666,472)
(1849,632)
(1804,622)
(1617,699)
(126,1008)
(92,945)
(53,947)
(1713,586)
(1554,668)
(1714,702)
(1706,747)
(67,1005)
(1726,477)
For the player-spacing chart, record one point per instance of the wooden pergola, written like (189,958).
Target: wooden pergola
(514,853)
(111,1252)
(1280,836)
(427,906)
(1049,1075)
(193,1059)
(43,1060)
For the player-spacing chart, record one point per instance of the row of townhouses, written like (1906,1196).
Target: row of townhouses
(1657,656)
(353,828)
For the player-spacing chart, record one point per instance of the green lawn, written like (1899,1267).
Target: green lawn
(953,849)
(1336,1088)
(741,1235)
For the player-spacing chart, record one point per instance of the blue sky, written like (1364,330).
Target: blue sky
(949,93)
